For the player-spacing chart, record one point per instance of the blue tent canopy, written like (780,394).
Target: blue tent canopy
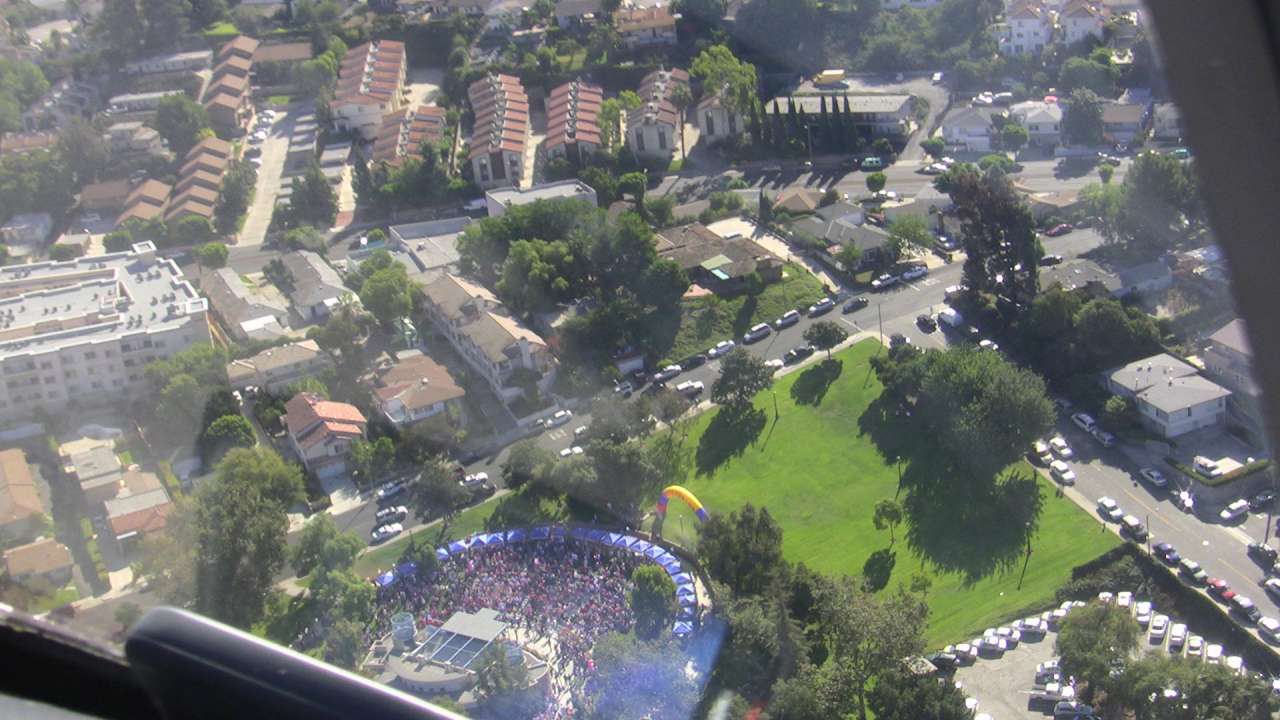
(385,579)
(541,533)
(596,535)
(686,588)
(672,571)
(408,568)
(641,546)
(686,613)
(516,535)
(655,551)
(558,531)
(612,538)
(687,602)
(682,628)
(627,541)
(682,578)
(442,554)
(579,532)
(457,546)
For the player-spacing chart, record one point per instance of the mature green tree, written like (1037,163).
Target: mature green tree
(120,28)
(825,335)
(636,680)
(234,196)
(1105,203)
(1082,118)
(371,461)
(934,146)
(1094,640)
(241,521)
(902,695)
(21,83)
(742,549)
(312,76)
(176,406)
(1203,691)
(344,594)
(909,234)
(526,461)
(203,362)
(888,514)
(876,181)
(742,377)
(1161,204)
(1109,334)
(62,253)
(343,333)
(869,635)
(981,410)
(849,257)
(36,182)
(1002,251)
(344,644)
(501,681)
(212,255)
(721,72)
(227,432)
(764,645)
(818,692)
(83,150)
(1083,73)
(435,492)
(605,184)
(615,421)
(166,22)
(322,546)
(387,294)
(190,230)
(179,120)
(653,600)
(1013,136)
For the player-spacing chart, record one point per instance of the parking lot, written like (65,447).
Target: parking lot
(275,149)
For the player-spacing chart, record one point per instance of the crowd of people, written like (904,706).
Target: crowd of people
(562,591)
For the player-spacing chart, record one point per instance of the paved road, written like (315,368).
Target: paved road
(275,149)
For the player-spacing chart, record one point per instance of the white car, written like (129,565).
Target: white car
(580,431)
(789,318)
(386,532)
(916,271)
(775,364)
(1060,448)
(1272,586)
(1124,599)
(721,348)
(1234,511)
(1195,646)
(566,452)
(964,652)
(821,307)
(390,490)
(1062,472)
(1269,629)
(985,344)
(576,450)
(884,281)
(561,417)
(480,477)
(1106,597)
(1109,509)
(1177,636)
(1159,626)
(1153,476)
(1084,421)
(1236,663)
(1142,613)
(1042,453)
(757,332)
(1213,654)
(667,373)
(1031,627)
(690,388)
(391,514)
(1010,636)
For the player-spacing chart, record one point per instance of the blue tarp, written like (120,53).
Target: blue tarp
(385,579)
(408,568)
(442,554)
(682,628)
(682,578)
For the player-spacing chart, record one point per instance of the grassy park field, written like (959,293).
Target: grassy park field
(820,474)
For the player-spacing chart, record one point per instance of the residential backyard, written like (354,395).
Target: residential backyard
(820,475)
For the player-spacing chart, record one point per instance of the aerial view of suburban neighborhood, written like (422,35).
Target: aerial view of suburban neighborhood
(388,332)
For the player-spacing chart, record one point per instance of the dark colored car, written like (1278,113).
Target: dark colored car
(898,339)
(1264,555)
(1060,229)
(796,354)
(1048,260)
(1166,552)
(855,304)
(694,361)
(944,661)
(926,323)
(1262,500)
(1218,588)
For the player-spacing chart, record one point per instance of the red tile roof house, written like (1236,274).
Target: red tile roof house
(321,432)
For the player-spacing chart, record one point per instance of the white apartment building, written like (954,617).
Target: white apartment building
(497,201)
(1029,28)
(653,128)
(715,121)
(1080,19)
(78,334)
(1172,398)
(492,343)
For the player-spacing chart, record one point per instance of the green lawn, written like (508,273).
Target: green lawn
(223,29)
(706,321)
(820,475)
(59,598)
(279,100)
(383,557)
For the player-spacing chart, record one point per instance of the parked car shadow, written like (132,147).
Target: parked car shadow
(727,436)
(813,383)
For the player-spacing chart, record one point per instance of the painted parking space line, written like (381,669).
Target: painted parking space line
(851,324)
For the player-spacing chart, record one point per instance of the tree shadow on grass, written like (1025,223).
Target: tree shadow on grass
(878,568)
(742,320)
(890,429)
(532,505)
(812,385)
(975,528)
(727,436)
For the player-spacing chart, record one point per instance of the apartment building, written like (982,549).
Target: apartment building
(1171,397)
(1028,28)
(501,130)
(715,121)
(191,61)
(371,83)
(78,333)
(653,128)
(1080,19)
(404,131)
(573,129)
(492,343)
(646,27)
(275,369)
(497,201)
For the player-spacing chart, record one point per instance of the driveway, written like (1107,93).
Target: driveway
(423,85)
(275,149)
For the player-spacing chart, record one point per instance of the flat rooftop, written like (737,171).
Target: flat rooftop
(49,305)
(515,196)
(433,244)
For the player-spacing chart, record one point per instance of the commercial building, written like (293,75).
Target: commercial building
(78,333)
(490,341)
(573,129)
(501,130)
(653,128)
(321,432)
(1172,399)
(371,83)
(275,369)
(404,131)
(874,115)
(497,201)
